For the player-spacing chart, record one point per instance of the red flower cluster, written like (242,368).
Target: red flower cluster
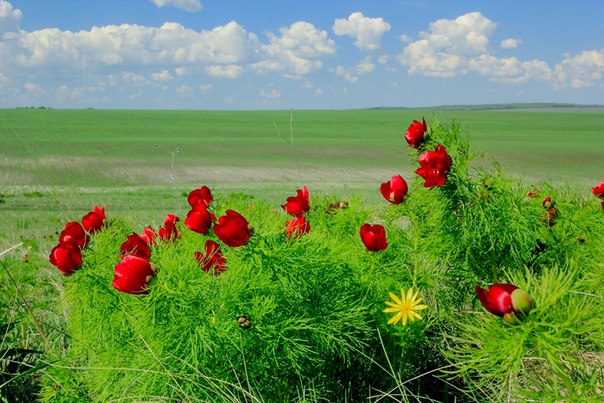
(199,219)
(551,212)
(169,232)
(67,255)
(416,133)
(506,301)
(374,237)
(434,166)
(297,206)
(395,189)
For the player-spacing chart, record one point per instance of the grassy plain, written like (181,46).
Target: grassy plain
(55,164)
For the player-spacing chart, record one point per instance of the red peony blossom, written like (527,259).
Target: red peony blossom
(547,202)
(598,191)
(505,300)
(132,275)
(374,237)
(416,133)
(533,193)
(212,258)
(169,232)
(232,229)
(550,216)
(201,196)
(149,236)
(299,204)
(67,257)
(395,189)
(94,221)
(74,233)
(136,246)
(199,219)
(296,227)
(434,166)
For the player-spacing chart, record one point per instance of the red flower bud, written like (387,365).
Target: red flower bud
(299,204)
(212,259)
(149,236)
(169,232)
(395,189)
(434,166)
(547,202)
(232,229)
(67,257)
(296,227)
(132,275)
(201,196)
(416,133)
(199,219)
(94,221)
(74,233)
(136,246)
(505,300)
(374,237)
(598,190)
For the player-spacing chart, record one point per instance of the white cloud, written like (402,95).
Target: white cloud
(205,88)
(510,43)
(186,5)
(510,70)
(64,93)
(581,71)
(352,74)
(230,71)
(273,94)
(366,31)
(163,75)
(296,52)
(33,88)
(443,51)
(184,90)
(405,38)
(10,17)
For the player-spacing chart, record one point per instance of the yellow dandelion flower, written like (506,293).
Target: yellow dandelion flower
(404,307)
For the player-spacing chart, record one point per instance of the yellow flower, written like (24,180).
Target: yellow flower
(405,307)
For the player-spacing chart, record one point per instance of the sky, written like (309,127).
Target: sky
(294,54)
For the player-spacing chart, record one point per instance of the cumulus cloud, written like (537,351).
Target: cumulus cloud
(229,71)
(205,88)
(366,31)
(296,52)
(273,94)
(163,75)
(455,47)
(186,5)
(510,43)
(183,90)
(445,48)
(352,74)
(10,17)
(581,71)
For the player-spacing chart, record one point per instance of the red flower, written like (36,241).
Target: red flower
(598,191)
(199,219)
(416,133)
(67,257)
(296,227)
(395,189)
(550,216)
(212,259)
(169,232)
(533,193)
(149,236)
(299,204)
(74,233)
(201,196)
(434,167)
(505,300)
(94,221)
(136,246)
(374,237)
(132,275)
(547,202)
(232,229)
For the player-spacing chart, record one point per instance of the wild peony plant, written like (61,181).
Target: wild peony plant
(241,301)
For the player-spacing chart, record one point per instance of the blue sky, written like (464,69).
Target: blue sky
(260,54)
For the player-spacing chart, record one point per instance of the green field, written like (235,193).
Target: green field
(480,228)
(54,162)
